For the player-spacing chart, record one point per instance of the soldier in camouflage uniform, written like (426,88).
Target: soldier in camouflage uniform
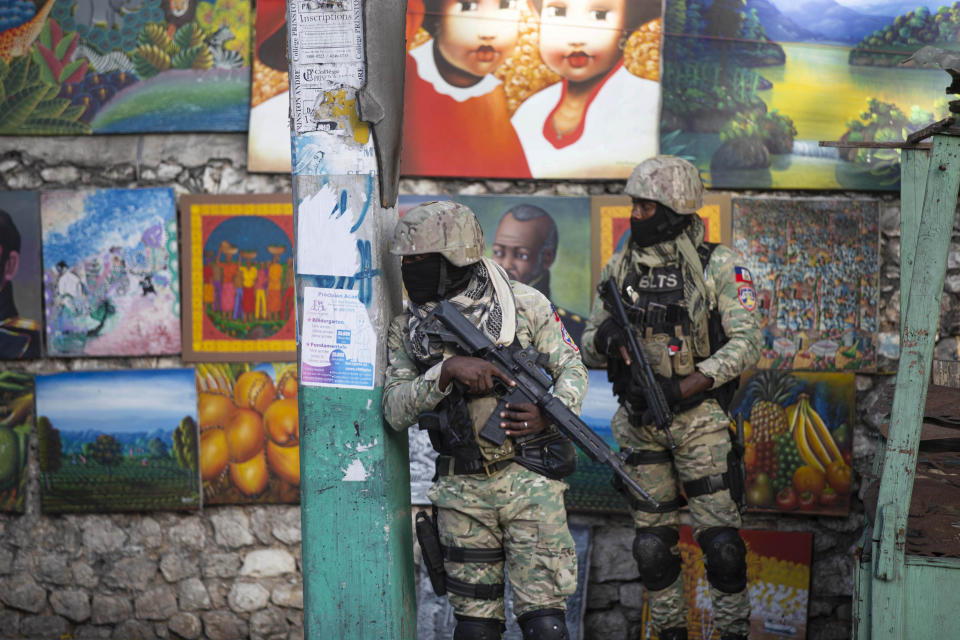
(674,287)
(491,509)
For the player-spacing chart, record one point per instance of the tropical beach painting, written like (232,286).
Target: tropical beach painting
(815,265)
(238,261)
(124,66)
(111,272)
(750,87)
(118,440)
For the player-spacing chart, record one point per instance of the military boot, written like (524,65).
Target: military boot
(673,633)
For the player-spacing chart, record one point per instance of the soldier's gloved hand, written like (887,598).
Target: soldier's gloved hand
(609,338)
(671,390)
(637,398)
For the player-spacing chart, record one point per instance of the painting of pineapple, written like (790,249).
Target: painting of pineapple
(771,391)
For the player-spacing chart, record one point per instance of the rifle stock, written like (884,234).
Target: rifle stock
(532,385)
(640,369)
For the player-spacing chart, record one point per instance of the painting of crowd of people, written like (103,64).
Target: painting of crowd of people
(815,263)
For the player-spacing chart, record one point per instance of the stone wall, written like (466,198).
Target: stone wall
(232,572)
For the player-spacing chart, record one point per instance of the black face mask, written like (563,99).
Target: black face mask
(664,224)
(433,278)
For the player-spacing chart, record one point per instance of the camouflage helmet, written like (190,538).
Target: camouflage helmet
(447,228)
(671,181)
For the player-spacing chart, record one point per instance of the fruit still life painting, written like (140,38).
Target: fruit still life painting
(798,437)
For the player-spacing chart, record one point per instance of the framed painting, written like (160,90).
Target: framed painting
(239,278)
(748,95)
(249,433)
(798,431)
(17,409)
(74,67)
(543,242)
(816,264)
(21,288)
(502,80)
(111,272)
(778,580)
(123,440)
(610,222)
(268,140)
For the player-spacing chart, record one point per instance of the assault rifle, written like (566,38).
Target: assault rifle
(640,372)
(524,366)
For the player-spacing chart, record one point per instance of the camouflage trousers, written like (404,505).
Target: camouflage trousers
(520,511)
(702,446)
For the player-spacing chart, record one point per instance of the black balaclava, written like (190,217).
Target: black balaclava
(664,224)
(433,278)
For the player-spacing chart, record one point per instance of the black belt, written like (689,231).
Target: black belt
(450,466)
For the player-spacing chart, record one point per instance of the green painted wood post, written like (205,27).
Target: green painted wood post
(920,322)
(914,164)
(357,549)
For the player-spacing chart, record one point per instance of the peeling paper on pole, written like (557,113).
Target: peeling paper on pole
(326,244)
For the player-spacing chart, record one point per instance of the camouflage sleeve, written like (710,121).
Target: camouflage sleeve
(549,337)
(737,302)
(406,392)
(591,356)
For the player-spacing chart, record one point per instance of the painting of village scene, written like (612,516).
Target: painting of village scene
(124,66)
(110,272)
(16,422)
(745,88)
(798,434)
(118,440)
(240,275)
(778,580)
(815,266)
(249,432)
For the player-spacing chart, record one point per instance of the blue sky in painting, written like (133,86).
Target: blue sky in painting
(599,404)
(117,401)
(109,217)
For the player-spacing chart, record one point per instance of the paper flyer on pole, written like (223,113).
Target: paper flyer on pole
(339,344)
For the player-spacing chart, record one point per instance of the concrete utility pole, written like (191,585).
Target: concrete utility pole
(355,480)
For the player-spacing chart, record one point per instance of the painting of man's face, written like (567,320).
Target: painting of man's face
(518,246)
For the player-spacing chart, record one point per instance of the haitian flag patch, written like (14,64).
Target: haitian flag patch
(563,330)
(743,275)
(748,297)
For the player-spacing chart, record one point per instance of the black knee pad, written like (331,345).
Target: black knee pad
(543,624)
(653,548)
(478,628)
(725,556)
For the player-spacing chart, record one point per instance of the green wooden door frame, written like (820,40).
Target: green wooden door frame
(928,202)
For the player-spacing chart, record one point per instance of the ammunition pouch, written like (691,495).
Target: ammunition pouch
(434,555)
(451,428)
(551,455)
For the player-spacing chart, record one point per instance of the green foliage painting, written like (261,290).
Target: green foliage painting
(117,440)
(750,89)
(124,66)
(16,420)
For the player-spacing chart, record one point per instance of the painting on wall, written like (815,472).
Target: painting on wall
(124,66)
(531,89)
(778,580)
(815,263)
(111,272)
(750,91)
(268,141)
(239,275)
(543,242)
(249,433)
(798,430)
(21,289)
(610,222)
(118,440)
(16,423)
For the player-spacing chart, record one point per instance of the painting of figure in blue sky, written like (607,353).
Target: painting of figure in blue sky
(118,440)
(751,87)
(110,272)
